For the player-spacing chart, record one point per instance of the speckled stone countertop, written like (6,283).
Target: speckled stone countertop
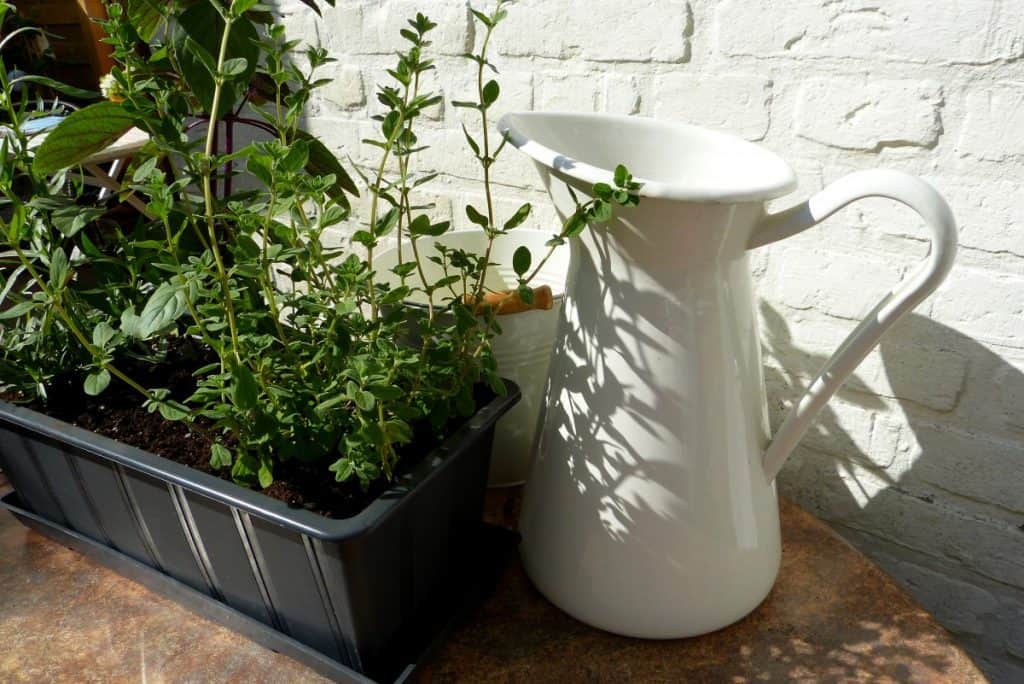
(832,616)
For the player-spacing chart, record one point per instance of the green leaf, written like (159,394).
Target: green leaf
(421,226)
(490,92)
(266,473)
(244,469)
(70,91)
(496,384)
(328,404)
(364,237)
(603,191)
(244,390)
(102,334)
(404,268)
(71,219)
(322,162)
(622,177)
(476,217)
(80,135)
(143,170)
(386,223)
(165,305)
(203,25)
(601,212)
(343,469)
(172,410)
(437,229)
(240,7)
(297,156)
(202,54)
(484,19)
(522,213)
(364,400)
(96,382)
(521,260)
(473,144)
(236,66)
(575,225)
(220,456)
(525,293)
(145,16)
(397,432)
(131,323)
(387,392)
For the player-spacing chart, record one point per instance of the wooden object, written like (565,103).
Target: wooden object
(509,302)
(81,58)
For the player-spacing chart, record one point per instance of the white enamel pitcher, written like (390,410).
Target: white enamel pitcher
(650,509)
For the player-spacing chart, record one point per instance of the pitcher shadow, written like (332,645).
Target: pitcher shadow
(836,479)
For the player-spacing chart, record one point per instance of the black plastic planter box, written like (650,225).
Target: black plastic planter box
(363,591)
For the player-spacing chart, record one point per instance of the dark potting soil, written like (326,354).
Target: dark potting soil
(118,413)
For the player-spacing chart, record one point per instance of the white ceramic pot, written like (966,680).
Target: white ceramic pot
(523,349)
(650,509)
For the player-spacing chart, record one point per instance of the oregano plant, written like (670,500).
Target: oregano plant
(297,349)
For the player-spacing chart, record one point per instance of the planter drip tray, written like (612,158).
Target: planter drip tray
(496,546)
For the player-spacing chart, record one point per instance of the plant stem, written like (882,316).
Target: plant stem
(485,162)
(375,208)
(207,171)
(58,307)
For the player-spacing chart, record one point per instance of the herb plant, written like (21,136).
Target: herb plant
(301,352)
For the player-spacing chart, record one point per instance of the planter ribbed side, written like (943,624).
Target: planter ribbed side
(360,590)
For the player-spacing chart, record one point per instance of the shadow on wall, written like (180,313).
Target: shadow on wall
(938,510)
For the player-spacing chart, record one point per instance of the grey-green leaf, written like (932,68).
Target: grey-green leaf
(364,400)
(102,334)
(235,66)
(165,305)
(19,309)
(59,267)
(96,382)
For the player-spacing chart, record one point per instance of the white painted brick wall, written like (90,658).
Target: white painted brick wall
(920,459)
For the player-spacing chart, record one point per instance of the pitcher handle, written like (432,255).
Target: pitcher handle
(909,190)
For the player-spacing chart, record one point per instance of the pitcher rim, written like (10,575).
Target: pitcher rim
(778,181)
